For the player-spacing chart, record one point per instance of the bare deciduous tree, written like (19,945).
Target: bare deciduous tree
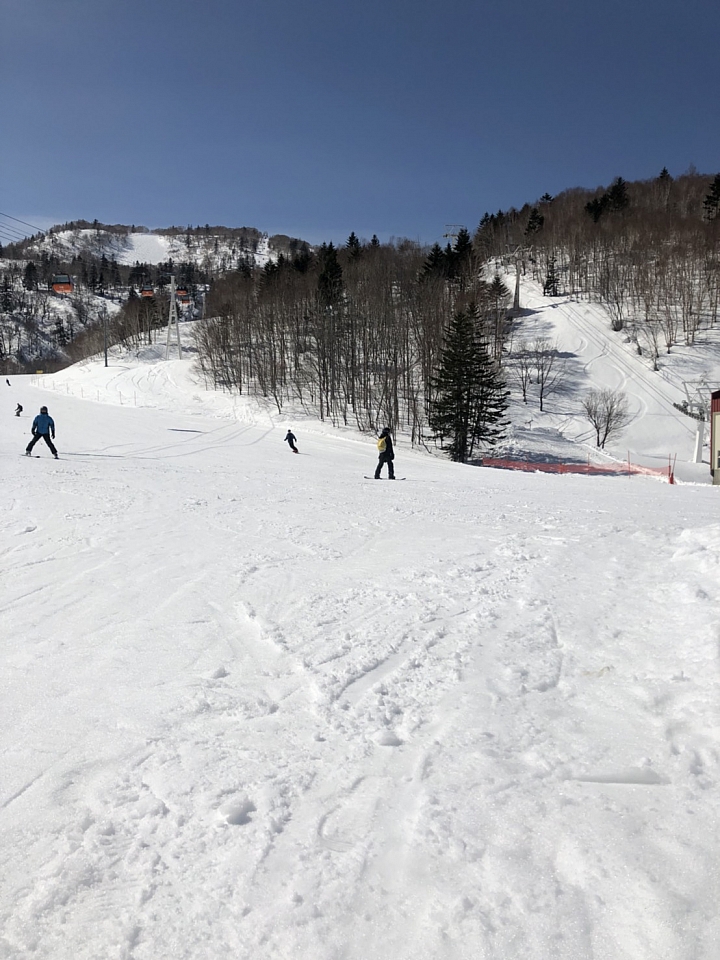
(520,368)
(607,411)
(549,367)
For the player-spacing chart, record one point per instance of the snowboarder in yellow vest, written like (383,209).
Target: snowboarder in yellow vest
(386,454)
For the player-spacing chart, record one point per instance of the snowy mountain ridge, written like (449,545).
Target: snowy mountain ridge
(214,250)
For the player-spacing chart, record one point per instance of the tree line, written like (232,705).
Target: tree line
(649,251)
(357,335)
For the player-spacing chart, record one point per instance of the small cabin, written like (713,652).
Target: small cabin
(147,291)
(182,295)
(61,283)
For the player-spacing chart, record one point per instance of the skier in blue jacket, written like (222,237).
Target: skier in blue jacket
(43,427)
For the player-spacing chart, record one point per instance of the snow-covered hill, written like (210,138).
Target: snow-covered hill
(212,250)
(595,357)
(255,706)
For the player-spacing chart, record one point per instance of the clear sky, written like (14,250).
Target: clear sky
(319,118)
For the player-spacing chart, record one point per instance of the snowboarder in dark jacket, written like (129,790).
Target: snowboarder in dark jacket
(43,427)
(386,454)
(18,410)
(291,438)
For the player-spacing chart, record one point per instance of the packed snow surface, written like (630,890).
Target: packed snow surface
(256,706)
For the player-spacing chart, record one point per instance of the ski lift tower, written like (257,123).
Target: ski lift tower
(517,252)
(697,406)
(452,230)
(173,322)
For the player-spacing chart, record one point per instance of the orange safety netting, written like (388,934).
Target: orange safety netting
(605,469)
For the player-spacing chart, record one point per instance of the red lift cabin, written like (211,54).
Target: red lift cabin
(61,283)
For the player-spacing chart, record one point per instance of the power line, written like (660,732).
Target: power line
(36,228)
(8,228)
(9,238)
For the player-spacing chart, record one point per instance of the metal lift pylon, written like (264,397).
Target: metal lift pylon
(173,322)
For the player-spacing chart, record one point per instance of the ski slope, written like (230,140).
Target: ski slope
(597,358)
(254,706)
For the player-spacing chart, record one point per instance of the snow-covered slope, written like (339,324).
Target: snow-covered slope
(255,706)
(209,250)
(595,357)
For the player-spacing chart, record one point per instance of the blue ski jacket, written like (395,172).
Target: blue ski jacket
(43,424)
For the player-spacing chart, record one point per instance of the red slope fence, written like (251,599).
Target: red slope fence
(594,469)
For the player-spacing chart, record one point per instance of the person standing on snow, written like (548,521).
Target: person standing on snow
(387,454)
(18,410)
(43,427)
(291,438)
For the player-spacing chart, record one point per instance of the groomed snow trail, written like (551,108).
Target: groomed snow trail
(255,706)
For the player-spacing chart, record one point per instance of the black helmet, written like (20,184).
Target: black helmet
(43,409)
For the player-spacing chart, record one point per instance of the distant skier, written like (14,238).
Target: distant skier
(18,410)
(387,454)
(43,426)
(291,438)
(7,381)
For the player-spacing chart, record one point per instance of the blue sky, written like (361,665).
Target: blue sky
(319,118)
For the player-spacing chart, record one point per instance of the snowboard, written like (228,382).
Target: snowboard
(384,478)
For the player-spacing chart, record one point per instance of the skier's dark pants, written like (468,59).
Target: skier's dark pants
(292,446)
(46,438)
(385,458)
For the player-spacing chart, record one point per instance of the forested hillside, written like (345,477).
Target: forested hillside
(648,251)
(363,333)
(109,271)
(359,334)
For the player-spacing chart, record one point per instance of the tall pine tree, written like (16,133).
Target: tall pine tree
(469,399)
(330,280)
(711,203)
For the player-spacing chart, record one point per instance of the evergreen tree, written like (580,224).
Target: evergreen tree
(711,203)
(436,263)
(331,276)
(302,260)
(7,299)
(353,246)
(463,245)
(374,242)
(664,182)
(535,222)
(498,293)
(463,257)
(596,207)
(469,396)
(30,278)
(615,199)
(617,195)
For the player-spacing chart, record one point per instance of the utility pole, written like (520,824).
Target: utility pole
(173,322)
(105,331)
